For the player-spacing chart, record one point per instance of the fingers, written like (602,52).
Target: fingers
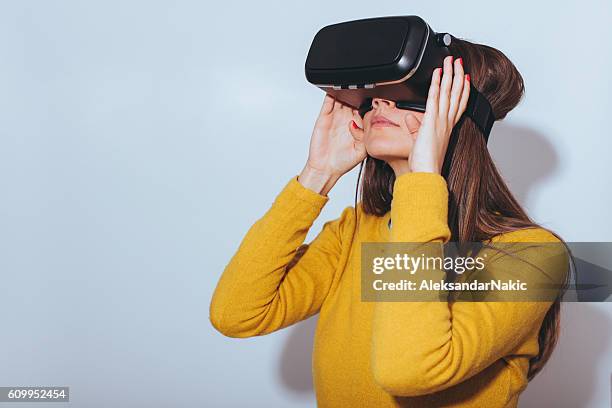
(336,105)
(356,132)
(328,104)
(357,118)
(331,104)
(412,123)
(453,91)
(431,106)
(456,90)
(445,86)
(465,96)
(341,107)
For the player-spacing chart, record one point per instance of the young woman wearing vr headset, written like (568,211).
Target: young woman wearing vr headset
(389,354)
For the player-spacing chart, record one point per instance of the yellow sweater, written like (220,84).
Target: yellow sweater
(379,354)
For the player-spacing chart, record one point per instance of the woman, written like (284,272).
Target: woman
(389,354)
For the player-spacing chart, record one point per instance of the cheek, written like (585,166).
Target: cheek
(388,142)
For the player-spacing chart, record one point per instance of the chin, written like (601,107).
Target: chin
(384,145)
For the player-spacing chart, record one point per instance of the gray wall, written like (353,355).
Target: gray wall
(138,142)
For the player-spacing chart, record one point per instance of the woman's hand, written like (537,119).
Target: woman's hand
(446,101)
(336,146)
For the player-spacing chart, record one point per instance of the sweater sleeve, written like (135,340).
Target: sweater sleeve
(271,282)
(423,347)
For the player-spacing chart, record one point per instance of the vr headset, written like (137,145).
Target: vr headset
(385,57)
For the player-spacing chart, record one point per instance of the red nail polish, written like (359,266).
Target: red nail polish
(467,76)
(461,61)
(354,125)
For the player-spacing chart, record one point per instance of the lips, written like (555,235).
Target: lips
(380,120)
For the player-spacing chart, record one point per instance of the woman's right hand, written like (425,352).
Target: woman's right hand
(336,146)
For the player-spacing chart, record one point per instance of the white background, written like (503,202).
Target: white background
(139,141)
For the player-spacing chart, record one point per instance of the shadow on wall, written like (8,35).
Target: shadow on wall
(525,158)
(569,377)
(295,364)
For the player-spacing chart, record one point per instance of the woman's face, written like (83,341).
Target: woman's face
(389,132)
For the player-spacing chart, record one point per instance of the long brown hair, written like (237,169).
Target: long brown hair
(480,203)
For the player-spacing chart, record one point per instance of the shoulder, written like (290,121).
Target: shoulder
(355,219)
(540,248)
(534,234)
(343,223)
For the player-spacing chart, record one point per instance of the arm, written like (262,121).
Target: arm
(271,282)
(256,294)
(424,347)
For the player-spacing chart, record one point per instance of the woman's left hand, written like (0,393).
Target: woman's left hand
(446,101)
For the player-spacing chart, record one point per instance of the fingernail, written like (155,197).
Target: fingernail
(467,76)
(461,61)
(354,124)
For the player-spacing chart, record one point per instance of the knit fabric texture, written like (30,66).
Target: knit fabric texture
(381,354)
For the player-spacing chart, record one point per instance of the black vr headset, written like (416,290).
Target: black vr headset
(385,57)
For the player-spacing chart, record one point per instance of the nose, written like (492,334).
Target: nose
(380,102)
